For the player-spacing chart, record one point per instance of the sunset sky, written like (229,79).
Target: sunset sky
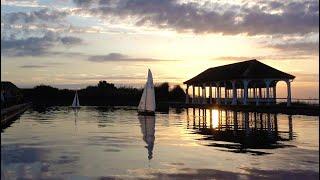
(72,44)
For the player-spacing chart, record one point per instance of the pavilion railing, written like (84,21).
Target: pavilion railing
(310,101)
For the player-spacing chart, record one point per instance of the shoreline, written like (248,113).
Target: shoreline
(275,109)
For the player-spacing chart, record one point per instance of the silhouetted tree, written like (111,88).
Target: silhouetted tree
(105,85)
(162,92)
(177,94)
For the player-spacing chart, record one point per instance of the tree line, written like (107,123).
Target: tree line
(103,94)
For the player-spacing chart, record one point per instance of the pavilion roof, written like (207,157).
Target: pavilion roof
(251,69)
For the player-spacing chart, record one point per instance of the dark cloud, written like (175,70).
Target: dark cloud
(84,3)
(287,57)
(69,40)
(36,46)
(45,65)
(121,57)
(298,47)
(42,15)
(115,78)
(108,57)
(36,23)
(97,78)
(290,18)
(287,51)
(33,66)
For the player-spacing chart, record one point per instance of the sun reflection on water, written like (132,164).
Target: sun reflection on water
(215,118)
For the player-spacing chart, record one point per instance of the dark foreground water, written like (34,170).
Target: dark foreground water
(102,143)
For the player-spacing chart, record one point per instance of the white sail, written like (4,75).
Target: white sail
(142,103)
(75,102)
(147,101)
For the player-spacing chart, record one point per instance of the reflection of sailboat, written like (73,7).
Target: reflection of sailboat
(147,124)
(75,111)
(75,103)
(147,103)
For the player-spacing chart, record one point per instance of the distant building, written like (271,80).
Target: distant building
(247,82)
(10,94)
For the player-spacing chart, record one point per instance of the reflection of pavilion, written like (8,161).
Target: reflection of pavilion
(147,124)
(242,129)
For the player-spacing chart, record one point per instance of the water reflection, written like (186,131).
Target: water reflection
(108,141)
(75,112)
(147,124)
(239,131)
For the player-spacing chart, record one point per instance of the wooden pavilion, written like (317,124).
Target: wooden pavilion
(247,82)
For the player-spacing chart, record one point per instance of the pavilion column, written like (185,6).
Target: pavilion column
(210,94)
(234,93)
(245,84)
(289,92)
(256,96)
(218,93)
(254,92)
(193,94)
(225,92)
(198,98)
(260,94)
(268,81)
(204,99)
(187,94)
(274,90)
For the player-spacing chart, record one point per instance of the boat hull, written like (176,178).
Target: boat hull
(146,113)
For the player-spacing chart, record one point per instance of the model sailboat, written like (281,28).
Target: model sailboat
(75,103)
(147,105)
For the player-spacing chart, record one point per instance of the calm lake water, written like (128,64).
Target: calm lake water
(102,143)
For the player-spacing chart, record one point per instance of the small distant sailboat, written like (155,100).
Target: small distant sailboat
(75,103)
(147,105)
